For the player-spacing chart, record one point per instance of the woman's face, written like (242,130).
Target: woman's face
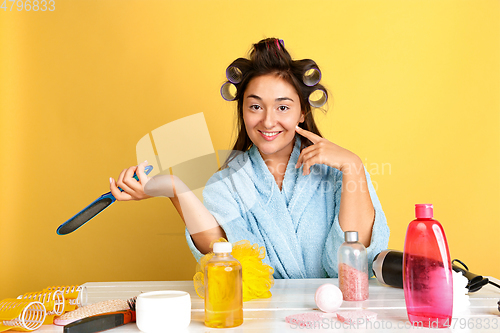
(271,110)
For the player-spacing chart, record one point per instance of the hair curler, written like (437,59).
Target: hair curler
(388,269)
(52,300)
(317,98)
(228,91)
(73,296)
(234,74)
(21,314)
(311,76)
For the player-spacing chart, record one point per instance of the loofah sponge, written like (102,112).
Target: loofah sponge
(257,276)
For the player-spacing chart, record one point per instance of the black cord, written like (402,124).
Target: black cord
(466,268)
(493,283)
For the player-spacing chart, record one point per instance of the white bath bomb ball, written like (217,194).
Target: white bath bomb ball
(328,297)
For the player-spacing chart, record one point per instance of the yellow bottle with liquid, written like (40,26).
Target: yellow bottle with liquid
(223,289)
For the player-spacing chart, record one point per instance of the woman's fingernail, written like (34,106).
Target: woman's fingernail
(110,180)
(146,161)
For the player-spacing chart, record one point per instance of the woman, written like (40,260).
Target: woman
(291,190)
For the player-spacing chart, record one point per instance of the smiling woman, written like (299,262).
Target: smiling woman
(291,190)
(284,186)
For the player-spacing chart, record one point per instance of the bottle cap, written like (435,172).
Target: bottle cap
(351,236)
(223,247)
(424,211)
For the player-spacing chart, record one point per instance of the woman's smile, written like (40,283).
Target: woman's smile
(270,135)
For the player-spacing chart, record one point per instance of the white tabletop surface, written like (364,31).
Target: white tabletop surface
(297,296)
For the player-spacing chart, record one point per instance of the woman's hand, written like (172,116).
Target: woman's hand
(356,209)
(325,152)
(132,189)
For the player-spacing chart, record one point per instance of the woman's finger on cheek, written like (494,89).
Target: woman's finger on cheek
(307,134)
(301,131)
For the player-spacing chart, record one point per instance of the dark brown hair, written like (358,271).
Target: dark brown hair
(267,57)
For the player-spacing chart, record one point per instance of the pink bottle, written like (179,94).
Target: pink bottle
(427,275)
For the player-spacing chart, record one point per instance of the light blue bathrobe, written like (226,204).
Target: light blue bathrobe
(298,225)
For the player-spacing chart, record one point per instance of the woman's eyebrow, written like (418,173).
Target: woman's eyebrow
(254,96)
(279,99)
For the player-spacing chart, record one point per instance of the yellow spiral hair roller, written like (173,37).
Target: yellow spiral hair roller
(52,300)
(257,276)
(21,314)
(73,295)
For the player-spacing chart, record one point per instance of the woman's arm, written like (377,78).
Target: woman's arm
(211,231)
(356,208)
(200,223)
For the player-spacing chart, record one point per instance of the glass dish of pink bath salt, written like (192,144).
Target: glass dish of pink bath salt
(353,268)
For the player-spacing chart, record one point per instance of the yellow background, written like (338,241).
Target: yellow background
(414,86)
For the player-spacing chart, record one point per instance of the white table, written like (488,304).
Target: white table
(297,296)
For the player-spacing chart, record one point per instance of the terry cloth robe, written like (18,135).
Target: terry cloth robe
(298,225)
